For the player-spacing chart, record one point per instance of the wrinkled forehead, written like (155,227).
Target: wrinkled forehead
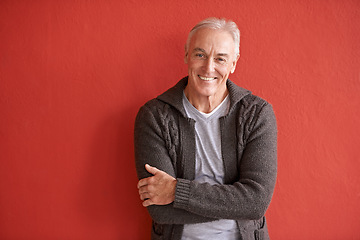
(216,40)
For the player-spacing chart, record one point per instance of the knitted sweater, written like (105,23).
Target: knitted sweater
(164,137)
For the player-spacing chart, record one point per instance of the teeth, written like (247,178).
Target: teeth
(206,79)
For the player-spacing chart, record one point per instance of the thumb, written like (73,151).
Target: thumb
(150,169)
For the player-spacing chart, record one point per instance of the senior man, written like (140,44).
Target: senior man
(206,149)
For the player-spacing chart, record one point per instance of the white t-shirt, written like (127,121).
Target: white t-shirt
(209,168)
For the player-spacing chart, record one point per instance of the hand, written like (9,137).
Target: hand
(158,189)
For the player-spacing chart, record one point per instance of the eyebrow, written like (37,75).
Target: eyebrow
(197,49)
(223,54)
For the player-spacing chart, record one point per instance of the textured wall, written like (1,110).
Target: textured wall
(74,73)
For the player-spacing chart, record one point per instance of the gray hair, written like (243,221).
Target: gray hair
(217,24)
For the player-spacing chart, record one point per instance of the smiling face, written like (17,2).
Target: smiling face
(210,59)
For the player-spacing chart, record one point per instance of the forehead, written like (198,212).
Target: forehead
(208,39)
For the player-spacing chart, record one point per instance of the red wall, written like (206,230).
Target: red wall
(74,73)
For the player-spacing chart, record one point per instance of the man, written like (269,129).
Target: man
(206,149)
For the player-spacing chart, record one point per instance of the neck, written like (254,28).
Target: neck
(205,104)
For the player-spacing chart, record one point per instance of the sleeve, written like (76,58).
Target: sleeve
(250,196)
(150,148)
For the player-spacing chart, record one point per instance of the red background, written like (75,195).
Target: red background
(73,75)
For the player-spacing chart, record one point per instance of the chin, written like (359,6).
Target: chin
(207,92)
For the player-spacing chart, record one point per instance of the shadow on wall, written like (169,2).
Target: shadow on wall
(110,193)
(110,198)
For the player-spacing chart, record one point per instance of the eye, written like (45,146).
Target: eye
(199,55)
(221,60)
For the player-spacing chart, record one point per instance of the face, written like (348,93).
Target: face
(210,59)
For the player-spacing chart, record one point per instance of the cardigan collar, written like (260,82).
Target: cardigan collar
(174,95)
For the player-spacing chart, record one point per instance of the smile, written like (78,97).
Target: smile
(206,79)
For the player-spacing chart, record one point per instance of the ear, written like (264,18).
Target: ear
(234,63)
(186,54)
(185,58)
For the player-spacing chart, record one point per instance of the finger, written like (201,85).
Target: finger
(150,169)
(144,196)
(142,182)
(144,189)
(147,203)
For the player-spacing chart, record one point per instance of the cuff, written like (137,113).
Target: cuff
(182,193)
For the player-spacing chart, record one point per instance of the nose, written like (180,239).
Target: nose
(209,65)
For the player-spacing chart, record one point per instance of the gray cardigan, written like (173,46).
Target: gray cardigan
(164,137)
